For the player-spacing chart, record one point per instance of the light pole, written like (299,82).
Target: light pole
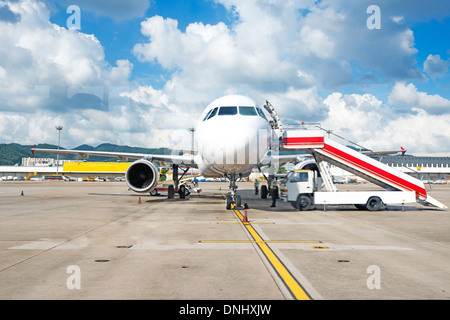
(59,128)
(192,146)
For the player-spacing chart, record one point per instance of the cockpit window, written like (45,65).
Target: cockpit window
(261,113)
(227,111)
(213,113)
(247,111)
(209,112)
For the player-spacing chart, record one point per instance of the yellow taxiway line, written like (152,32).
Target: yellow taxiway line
(288,279)
(285,275)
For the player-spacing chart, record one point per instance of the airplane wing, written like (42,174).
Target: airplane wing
(379,153)
(186,160)
(283,159)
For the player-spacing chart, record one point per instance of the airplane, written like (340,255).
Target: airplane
(233,136)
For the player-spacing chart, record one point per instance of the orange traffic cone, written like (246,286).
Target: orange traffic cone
(245,220)
(139,202)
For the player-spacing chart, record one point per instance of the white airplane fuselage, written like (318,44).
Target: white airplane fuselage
(233,137)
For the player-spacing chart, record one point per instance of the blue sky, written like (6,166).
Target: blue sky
(135,68)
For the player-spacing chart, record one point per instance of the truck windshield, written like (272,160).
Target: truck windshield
(298,177)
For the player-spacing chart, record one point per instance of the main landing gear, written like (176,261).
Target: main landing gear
(232,197)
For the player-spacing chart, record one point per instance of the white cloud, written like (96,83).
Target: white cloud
(398,19)
(47,72)
(435,66)
(317,42)
(36,52)
(297,105)
(213,53)
(284,52)
(355,117)
(338,34)
(407,95)
(367,121)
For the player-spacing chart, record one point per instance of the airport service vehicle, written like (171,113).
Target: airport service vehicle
(186,187)
(303,187)
(56,177)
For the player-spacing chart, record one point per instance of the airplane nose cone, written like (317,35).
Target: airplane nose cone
(235,145)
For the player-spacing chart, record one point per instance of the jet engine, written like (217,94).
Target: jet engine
(142,176)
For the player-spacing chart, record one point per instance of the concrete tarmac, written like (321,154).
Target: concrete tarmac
(94,240)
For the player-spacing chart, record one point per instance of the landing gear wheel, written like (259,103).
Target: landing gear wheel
(374,204)
(228,201)
(304,202)
(264,192)
(238,200)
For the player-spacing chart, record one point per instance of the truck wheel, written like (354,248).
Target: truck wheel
(264,192)
(304,202)
(374,204)
(171,192)
(182,192)
(294,204)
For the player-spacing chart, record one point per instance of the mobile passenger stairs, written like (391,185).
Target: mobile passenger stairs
(400,188)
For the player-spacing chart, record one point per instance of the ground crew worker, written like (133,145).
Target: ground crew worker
(274,188)
(256,186)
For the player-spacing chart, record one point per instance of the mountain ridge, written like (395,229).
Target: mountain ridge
(12,153)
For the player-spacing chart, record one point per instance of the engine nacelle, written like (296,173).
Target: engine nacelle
(142,176)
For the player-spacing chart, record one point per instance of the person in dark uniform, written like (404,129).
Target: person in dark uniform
(274,192)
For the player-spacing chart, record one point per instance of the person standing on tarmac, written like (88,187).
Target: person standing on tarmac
(274,188)
(256,186)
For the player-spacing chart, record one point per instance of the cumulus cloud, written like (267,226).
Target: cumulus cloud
(367,121)
(37,54)
(213,54)
(50,75)
(317,42)
(271,45)
(407,95)
(337,31)
(435,66)
(286,52)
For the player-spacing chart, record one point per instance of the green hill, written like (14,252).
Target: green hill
(12,153)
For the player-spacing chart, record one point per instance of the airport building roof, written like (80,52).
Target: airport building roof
(412,161)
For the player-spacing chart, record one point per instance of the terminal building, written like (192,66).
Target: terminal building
(427,169)
(424,168)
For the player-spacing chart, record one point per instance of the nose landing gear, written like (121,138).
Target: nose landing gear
(232,197)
